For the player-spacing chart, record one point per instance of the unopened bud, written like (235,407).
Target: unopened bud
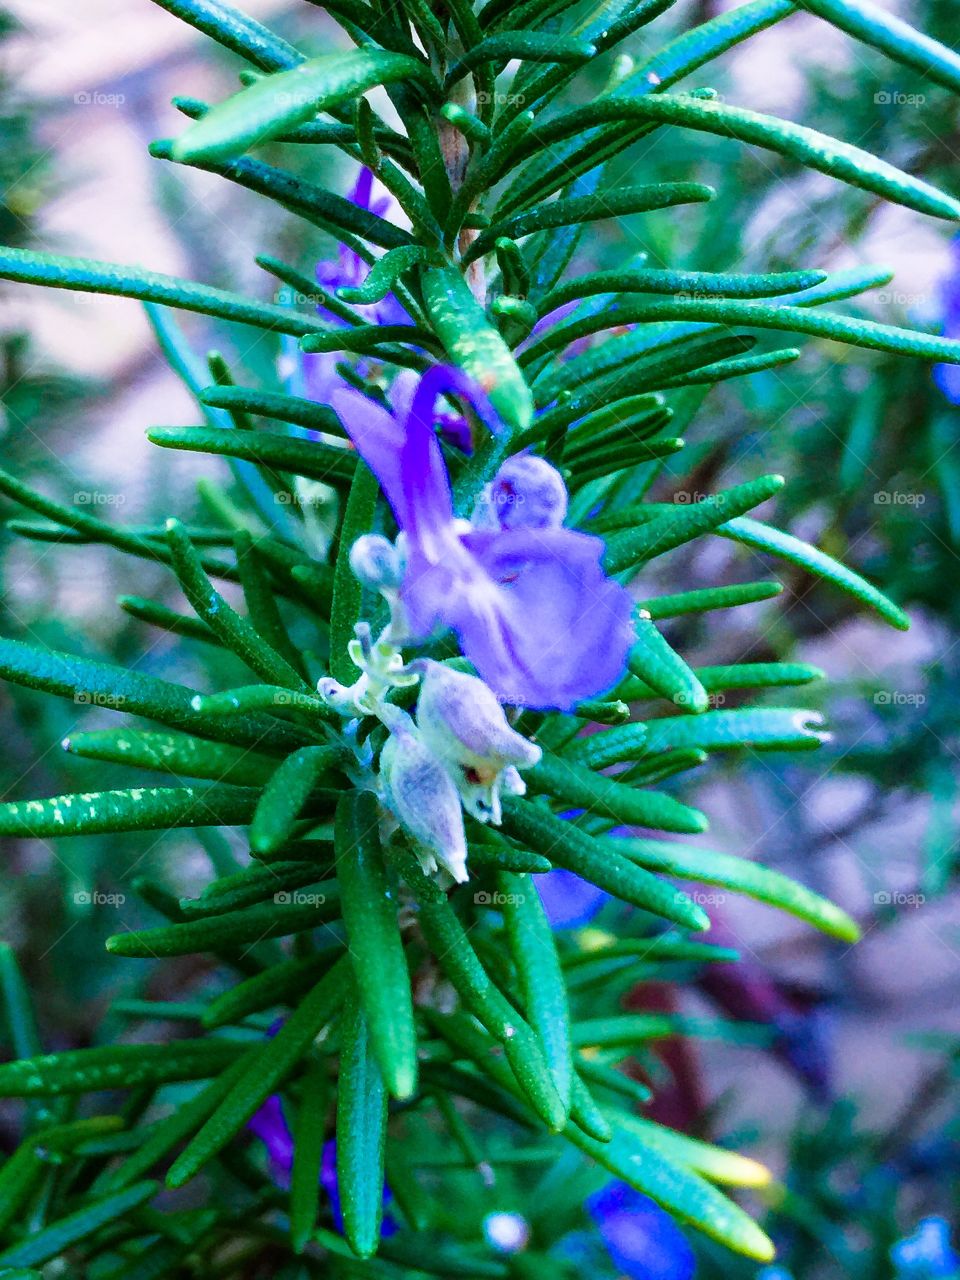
(424,799)
(528,493)
(465,727)
(376,562)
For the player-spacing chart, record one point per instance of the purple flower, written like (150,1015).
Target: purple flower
(947,376)
(269,1124)
(348,269)
(531,606)
(569,901)
(927,1254)
(642,1239)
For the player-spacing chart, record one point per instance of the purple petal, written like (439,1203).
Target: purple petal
(947,376)
(269,1124)
(541,622)
(569,901)
(642,1239)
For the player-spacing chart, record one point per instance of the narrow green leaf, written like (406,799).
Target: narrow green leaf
(683,1193)
(384,274)
(316,459)
(729,872)
(808,147)
(576,210)
(285,796)
(541,980)
(158,615)
(708,598)
(361,1134)
(309,1131)
(177,753)
(242,928)
(573,784)
(279,984)
(659,666)
(379,966)
(600,750)
(723,284)
(761,537)
(690,519)
(59,272)
(282,101)
(473,343)
(54,1240)
(599,861)
(273,404)
(120,1066)
(449,943)
(267,1070)
(892,36)
(135,809)
(236,31)
(529,46)
(714,1163)
(759,728)
(24,1038)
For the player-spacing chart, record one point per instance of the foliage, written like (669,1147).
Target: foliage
(443,1032)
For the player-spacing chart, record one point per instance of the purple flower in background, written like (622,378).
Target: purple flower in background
(947,376)
(348,269)
(927,1254)
(530,604)
(269,1124)
(569,901)
(642,1239)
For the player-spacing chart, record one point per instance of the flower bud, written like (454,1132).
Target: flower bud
(422,796)
(464,726)
(376,562)
(528,493)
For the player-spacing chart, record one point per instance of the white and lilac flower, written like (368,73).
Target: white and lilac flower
(530,604)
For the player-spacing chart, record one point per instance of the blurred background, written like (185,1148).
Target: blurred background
(856,1106)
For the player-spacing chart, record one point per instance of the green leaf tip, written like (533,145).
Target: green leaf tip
(276,103)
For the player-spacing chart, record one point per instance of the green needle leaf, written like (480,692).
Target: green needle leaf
(542,987)
(761,537)
(729,872)
(599,861)
(60,1236)
(136,809)
(572,784)
(890,34)
(121,1066)
(473,343)
(379,966)
(361,1134)
(267,1070)
(276,103)
(286,794)
(176,753)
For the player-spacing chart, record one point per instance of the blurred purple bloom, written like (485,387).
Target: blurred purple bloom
(531,606)
(269,1124)
(947,376)
(569,901)
(927,1254)
(348,269)
(642,1239)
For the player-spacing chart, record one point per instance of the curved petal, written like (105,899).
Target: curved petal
(538,617)
(378,438)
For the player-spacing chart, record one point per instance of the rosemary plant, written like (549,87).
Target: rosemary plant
(441,515)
